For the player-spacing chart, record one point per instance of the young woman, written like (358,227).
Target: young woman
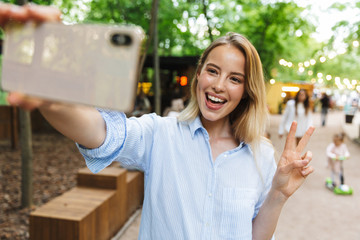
(208,174)
(297,110)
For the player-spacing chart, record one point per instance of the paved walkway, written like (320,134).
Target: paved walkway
(314,212)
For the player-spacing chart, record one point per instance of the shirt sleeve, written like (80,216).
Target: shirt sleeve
(127,141)
(329,152)
(268,170)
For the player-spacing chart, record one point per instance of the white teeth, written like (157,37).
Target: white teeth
(215,99)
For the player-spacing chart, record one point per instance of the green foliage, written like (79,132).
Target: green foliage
(339,6)
(271,28)
(3,94)
(278,30)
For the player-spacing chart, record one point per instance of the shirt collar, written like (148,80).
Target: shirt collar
(195,125)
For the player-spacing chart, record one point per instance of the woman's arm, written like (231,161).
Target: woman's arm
(82,124)
(290,174)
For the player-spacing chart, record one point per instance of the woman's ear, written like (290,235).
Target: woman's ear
(198,74)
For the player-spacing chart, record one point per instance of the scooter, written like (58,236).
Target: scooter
(343,189)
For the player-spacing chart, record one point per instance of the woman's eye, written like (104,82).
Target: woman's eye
(235,79)
(213,71)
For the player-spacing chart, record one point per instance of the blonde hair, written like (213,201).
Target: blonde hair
(250,117)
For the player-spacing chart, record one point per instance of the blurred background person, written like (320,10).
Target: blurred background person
(325,105)
(177,105)
(297,109)
(142,104)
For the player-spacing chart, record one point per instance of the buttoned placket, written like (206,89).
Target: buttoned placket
(209,200)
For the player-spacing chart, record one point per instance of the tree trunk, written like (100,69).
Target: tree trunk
(156,60)
(26,159)
(26,152)
(152,32)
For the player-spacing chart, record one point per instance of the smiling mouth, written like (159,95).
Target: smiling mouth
(214,99)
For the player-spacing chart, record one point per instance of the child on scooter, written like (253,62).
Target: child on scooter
(336,153)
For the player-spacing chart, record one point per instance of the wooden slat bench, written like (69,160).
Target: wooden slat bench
(94,210)
(135,191)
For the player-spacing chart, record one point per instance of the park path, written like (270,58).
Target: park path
(314,212)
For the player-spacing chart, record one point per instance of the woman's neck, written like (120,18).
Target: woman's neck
(218,129)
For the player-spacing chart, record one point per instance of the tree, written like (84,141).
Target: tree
(26,152)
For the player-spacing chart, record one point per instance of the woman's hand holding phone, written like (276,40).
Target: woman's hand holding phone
(29,12)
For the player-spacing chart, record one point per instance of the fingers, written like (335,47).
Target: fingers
(294,165)
(290,139)
(307,171)
(28,12)
(301,164)
(23,101)
(43,13)
(305,139)
(8,11)
(307,155)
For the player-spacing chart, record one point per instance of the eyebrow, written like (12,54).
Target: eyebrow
(234,73)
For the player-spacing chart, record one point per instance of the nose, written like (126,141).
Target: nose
(219,84)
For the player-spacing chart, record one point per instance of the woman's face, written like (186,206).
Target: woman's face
(302,96)
(221,82)
(337,141)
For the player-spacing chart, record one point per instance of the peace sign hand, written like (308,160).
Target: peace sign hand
(293,168)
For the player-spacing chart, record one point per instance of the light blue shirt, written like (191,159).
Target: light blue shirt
(188,195)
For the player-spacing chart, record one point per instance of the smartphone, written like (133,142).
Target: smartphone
(90,64)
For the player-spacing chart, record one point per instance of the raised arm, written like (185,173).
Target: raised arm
(81,124)
(290,174)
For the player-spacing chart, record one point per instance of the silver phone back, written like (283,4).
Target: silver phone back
(73,63)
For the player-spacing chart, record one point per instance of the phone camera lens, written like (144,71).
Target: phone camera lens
(119,39)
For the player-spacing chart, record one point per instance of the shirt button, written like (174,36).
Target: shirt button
(210,195)
(225,155)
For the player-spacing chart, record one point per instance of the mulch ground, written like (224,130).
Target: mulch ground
(56,161)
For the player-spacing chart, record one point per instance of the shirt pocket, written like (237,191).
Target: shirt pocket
(238,207)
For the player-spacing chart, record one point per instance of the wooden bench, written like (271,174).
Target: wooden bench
(135,191)
(94,210)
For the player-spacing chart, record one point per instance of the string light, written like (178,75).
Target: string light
(301,67)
